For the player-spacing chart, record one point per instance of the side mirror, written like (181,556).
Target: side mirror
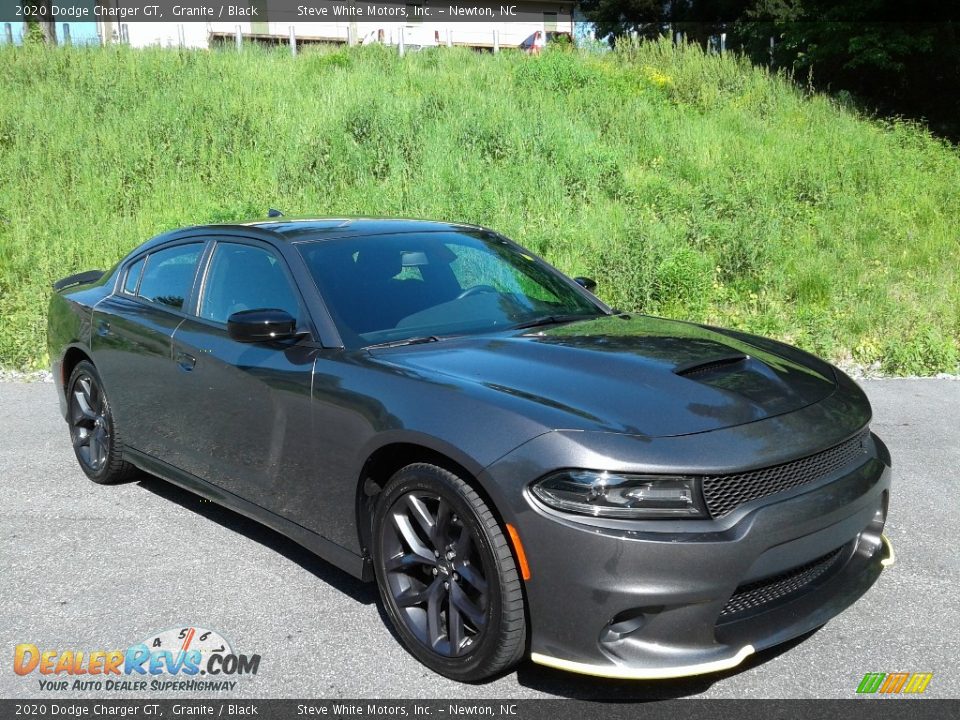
(266,325)
(588,284)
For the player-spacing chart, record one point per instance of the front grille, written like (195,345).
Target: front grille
(724,493)
(756,595)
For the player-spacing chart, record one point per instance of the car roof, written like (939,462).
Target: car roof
(295,230)
(302,229)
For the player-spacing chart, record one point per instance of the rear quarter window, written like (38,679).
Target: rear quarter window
(168,275)
(133,277)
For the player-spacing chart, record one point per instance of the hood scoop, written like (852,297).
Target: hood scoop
(638,376)
(702,367)
(750,379)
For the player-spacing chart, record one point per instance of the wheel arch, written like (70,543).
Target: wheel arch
(63,367)
(72,357)
(383,462)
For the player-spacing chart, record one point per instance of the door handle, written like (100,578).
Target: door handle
(185,361)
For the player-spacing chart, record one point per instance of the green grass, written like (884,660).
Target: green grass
(688,185)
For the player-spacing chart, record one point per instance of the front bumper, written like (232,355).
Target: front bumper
(676,600)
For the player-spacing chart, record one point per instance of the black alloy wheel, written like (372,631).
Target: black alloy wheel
(92,429)
(447,576)
(435,575)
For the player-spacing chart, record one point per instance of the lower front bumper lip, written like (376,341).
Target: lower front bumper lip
(891,556)
(624,672)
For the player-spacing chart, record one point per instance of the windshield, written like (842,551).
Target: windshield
(390,288)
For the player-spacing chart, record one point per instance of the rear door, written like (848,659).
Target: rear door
(247,402)
(131,342)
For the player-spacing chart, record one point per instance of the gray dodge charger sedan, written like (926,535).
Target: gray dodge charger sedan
(522,470)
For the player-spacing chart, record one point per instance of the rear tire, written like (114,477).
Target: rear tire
(447,577)
(93,432)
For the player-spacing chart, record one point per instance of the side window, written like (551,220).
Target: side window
(244,277)
(133,277)
(168,276)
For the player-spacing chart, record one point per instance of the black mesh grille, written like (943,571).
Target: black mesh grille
(756,595)
(724,493)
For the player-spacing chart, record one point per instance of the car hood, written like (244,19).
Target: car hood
(628,374)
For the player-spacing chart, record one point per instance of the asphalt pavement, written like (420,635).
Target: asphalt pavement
(85,567)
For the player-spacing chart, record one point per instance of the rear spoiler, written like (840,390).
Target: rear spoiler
(83,278)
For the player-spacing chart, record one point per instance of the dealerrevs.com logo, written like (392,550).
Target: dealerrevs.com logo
(187,659)
(897,683)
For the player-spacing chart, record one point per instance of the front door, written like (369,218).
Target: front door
(249,403)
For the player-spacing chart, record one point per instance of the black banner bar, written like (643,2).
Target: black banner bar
(854,709)
(281,11)
(416,11)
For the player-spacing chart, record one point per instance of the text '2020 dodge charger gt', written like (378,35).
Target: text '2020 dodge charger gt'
(518,467)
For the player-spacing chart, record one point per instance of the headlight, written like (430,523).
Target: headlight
(615,495)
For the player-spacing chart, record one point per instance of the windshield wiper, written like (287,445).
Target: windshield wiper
(551,320)
(407,341)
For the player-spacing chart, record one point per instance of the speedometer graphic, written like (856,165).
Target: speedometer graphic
(182,640)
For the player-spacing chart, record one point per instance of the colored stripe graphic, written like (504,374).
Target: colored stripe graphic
(871,682)
(894,683)
(918,682)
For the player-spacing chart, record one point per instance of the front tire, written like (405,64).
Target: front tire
(447,577)
(93,432)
